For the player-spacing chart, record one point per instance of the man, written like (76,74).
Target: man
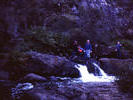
(75,49)
(88,48)
(118,49)
(75,46)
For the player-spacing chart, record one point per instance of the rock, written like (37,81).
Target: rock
(52,65)
(19,90)
(4,75)
(60,23)
(33,78)
(42,95)
(5,89)
(106,51)
(44,65)
(109,52)
(76,91)
(53,78)
(112,65)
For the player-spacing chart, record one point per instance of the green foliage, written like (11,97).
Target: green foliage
(40,40)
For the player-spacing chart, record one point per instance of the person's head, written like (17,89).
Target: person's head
(96,45)
(118,42)
(88,41)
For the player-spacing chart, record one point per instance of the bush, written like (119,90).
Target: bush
(41,40)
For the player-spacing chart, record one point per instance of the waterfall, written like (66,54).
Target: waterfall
(101,71)
(87,77)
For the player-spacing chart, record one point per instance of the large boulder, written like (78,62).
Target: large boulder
(44,65)
(54,65)
(112,65)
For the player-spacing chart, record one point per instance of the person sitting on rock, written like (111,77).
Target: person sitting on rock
(88,48)
(118,49)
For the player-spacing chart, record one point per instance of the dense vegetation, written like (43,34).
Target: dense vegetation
(40,40)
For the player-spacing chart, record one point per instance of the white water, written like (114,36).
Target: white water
(101,71)
(87,77)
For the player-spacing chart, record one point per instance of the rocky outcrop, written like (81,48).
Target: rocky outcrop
(113,66)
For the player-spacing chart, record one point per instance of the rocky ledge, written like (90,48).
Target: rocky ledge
(112,65)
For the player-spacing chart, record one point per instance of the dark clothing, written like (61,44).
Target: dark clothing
(88,46)
(88,49)
(74,50)
(75,47)
(118,47)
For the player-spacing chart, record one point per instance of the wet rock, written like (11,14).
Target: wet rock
(76,91)
(53,78)
(18,91)
(33,78)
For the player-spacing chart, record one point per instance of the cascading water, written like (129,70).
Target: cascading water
(100,70)
(87,77)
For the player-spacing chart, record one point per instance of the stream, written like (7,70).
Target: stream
(87,87)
